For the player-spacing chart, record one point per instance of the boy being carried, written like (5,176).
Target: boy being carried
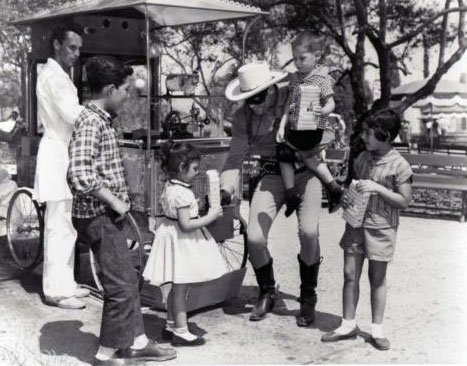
(301,128)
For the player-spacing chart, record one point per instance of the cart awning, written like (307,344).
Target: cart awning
(163,12)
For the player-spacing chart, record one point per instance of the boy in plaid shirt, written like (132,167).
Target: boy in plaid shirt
(296,139)
(100,202)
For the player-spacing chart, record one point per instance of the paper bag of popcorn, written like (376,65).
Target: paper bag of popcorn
(355,212)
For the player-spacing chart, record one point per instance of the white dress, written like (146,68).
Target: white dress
(177,256)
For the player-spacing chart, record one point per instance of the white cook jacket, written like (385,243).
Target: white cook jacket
(57,110)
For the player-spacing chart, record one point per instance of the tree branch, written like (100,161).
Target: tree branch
(420,28)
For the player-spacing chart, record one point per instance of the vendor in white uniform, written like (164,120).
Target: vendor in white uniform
(57,110)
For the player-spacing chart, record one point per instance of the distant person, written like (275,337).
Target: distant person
(100,203)
(294,137)
(57,111)
(383,173)
(183,251)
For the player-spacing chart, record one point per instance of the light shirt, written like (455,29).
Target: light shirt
(57,102)
(57,110)
(391,171)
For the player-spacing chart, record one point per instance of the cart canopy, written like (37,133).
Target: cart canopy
(162,12)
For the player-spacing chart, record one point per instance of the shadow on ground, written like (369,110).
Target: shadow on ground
(77,344)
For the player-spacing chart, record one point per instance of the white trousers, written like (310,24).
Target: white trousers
(59,250)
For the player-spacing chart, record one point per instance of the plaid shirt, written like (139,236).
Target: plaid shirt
(95,162)
(391,171)
(318,77)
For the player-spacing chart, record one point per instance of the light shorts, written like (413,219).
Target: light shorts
(374,244)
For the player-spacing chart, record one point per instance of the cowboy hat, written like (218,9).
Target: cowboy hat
(252,79)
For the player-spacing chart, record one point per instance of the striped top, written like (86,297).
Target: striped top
(318,77)
(391,171)
(95,162)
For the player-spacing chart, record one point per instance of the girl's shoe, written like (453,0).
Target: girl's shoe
(382,344)
(335,337)
(178,341)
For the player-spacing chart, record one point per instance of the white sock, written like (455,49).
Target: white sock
(170,325)
(140,342)
(185,333)
(104,353)
(377,330)
(346,326)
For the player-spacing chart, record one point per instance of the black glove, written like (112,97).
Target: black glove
(226,198)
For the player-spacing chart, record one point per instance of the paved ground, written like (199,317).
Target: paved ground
(426,317)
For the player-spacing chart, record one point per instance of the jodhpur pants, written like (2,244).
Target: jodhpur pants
(59,250)
(267,200)
(122,320)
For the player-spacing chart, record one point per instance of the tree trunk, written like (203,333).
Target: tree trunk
(426,56)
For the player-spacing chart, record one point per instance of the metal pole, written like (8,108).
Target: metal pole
(149,80)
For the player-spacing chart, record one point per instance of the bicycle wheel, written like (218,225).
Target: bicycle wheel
(25,229)
(234,250)
(135,245)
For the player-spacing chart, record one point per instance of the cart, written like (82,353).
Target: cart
(129,30)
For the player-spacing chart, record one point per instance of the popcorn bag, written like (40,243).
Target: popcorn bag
(309,97)
(213,191)
(355,212)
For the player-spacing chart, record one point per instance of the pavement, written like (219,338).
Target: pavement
(426,313)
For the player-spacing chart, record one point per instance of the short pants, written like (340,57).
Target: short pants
(374,244)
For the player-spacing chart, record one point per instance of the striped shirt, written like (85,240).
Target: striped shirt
(318,77)
(391,171)
(95,162)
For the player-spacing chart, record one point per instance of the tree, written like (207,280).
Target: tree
(392,27)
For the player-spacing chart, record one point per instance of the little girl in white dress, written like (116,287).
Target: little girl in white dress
(183,251)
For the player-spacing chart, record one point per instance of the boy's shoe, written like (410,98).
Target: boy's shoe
(178,341)
(382,344)
(292,203)
(335,337)
(152,352)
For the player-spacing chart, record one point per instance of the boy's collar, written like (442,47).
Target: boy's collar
(103,113)
(179,182)
(391,155)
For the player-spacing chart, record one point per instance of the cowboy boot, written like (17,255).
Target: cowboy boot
(308,297)
(267,289)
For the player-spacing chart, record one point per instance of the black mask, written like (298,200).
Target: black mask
(257,98)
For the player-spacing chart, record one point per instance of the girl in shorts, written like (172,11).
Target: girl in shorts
(384,174)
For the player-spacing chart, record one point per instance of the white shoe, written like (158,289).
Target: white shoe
(81,292)
(66,303)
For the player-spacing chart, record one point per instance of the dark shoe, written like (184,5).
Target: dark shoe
(291,203)
(307,311)
(167,334)
(182,342)
(308,297)
(152,352)
(264,305)
(382,344)
(335,337)
(267,289)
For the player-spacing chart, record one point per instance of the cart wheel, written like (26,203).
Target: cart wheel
(135,245)
(25,229)
(234,250)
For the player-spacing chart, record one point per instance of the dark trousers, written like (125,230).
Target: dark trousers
(122,320)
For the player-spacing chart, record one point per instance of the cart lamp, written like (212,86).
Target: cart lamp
(140,83)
